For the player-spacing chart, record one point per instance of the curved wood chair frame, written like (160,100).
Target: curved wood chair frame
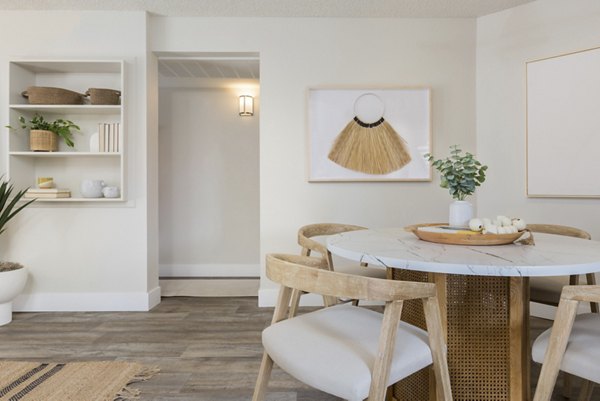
(310,246)
(570,232)
(311,275)
(559,338)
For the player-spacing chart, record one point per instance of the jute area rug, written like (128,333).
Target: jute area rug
(73,381)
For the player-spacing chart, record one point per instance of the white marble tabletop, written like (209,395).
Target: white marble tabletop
(553,255)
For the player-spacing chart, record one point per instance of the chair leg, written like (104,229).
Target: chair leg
(433,321)
(586,391)
(294,303)
(266,366)
(591,280)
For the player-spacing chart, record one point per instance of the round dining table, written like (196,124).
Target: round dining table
(484,297)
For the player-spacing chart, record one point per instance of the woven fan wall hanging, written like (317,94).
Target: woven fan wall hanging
(369,144)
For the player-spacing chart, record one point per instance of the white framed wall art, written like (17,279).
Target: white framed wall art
(563,125)
(369,134)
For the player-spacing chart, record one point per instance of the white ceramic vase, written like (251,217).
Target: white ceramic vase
(11,284)
(460,214)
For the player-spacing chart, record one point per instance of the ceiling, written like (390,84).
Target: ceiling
(238,67)
(209,67)
(280,8)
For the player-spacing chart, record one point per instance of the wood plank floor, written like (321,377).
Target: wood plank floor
(208,349)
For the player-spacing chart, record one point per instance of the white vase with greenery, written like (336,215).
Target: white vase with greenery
(13,276)
(461,174)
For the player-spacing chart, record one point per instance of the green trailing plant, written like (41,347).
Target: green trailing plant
(9,204)
(60,127)
(460,173)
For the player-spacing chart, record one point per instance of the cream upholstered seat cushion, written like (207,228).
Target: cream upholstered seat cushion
(334,349)
(583,349)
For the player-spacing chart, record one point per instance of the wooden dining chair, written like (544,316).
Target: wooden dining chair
(352,353)
(312,239)
(571,345)
(546,290)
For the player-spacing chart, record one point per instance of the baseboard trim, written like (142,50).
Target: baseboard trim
(88,302)
(209,287)
(210,270)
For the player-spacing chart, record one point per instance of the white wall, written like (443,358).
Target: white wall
(84,257)
(209,182)
(505,42)
(296,54)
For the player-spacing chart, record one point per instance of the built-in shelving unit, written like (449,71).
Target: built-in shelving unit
(68,166)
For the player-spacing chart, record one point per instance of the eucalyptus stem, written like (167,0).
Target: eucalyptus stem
(460,174)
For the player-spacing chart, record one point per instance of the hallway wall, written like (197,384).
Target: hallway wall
(208,183)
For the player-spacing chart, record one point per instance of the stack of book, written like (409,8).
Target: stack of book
(48,193)
(108,137)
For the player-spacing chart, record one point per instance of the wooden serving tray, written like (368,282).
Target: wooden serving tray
(460,237)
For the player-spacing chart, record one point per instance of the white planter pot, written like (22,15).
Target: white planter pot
(460,214)
(11,285)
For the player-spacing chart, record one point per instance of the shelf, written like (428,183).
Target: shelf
(68,109)
(108,200)
(68,166)
(65,154)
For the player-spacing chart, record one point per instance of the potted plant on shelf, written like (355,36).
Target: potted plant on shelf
(43,134)
(461,174)
(13,276)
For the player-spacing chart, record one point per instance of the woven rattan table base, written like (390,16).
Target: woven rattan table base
(478,312)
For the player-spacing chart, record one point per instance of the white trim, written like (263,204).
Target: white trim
(210,270)
(154,298)
(87,302)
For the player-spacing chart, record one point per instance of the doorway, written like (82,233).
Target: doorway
(208,174)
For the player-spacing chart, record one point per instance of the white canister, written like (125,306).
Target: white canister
(92,188)
(460,214)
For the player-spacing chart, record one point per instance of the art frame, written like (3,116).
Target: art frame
(406,120)
(562,125)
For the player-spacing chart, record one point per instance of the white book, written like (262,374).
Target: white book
(102,136)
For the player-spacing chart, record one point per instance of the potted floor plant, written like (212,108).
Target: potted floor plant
(13,276)
(43,134)
(461,174)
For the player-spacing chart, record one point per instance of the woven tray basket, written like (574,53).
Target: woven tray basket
(43,141)
(48,95)
(104,96)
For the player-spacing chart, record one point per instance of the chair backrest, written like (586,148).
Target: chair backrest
(559,230)
(307,274)
(559,338)
(309,245)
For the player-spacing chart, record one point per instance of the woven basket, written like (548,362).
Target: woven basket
(48,95)
(43,141)
(103,96)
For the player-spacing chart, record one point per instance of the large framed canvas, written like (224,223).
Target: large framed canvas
(563,125)
(369,134)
